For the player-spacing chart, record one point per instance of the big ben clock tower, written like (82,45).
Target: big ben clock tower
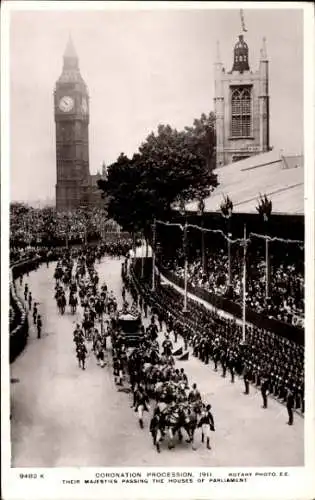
(71,102)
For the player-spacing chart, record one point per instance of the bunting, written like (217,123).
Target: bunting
(232,241)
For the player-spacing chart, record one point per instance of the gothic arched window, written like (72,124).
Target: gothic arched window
(241,112)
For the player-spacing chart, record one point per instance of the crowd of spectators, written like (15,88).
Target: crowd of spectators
(32,227)
(36,232)
(285,301)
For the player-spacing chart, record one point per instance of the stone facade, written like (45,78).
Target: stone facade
(75,186)
(241,106)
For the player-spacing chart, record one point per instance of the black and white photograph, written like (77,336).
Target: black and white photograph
(157,244)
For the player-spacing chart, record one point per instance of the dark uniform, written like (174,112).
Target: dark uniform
(167,347)
(223,363)
(39,326)
(264,391)
(246,376)
(35,313)
(290,405)
(231,364)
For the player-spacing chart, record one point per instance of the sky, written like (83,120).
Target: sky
(142,68)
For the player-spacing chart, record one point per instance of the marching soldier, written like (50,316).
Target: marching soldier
(290,405)
(25,291)
(223,363)
(265,391)
(30,298)
(39,326)
(246,377)
(231,364)
(35,311)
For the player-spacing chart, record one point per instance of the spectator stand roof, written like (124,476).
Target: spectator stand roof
(278,176)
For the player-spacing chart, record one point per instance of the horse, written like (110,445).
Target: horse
(73,287)
(66,278)
(99,308)
(176,417)
(61,303)
(58,274)
(73,302)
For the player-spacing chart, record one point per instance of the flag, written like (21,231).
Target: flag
(243,21)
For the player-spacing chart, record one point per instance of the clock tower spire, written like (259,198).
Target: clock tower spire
(71,108)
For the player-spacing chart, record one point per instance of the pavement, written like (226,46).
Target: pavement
(63,416)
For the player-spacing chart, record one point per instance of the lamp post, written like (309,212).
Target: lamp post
(244,288)
(158,260)
(153,254)
(185,249)
(201,207)
(185,266)
(227,209)
(142,259)
(67,230)
(264,209)
(267,268)
(229,253)
(84,216)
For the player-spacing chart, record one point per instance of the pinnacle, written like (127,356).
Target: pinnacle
(70,50)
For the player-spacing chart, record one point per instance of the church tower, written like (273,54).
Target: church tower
(71,103)
(242,106)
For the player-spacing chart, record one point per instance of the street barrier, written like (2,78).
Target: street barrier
(19,326)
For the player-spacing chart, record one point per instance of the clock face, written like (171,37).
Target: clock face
(66,104)
(84,106)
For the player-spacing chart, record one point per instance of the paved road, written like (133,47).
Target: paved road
(63,416)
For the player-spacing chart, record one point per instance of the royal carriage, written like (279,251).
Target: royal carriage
(129,325)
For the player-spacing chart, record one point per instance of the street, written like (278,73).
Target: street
(63,416)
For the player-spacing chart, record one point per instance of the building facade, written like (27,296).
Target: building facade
(241,106)
(75,186)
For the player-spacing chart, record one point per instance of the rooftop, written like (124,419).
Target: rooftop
(278,176)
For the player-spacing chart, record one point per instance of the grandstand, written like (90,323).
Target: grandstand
(278,176)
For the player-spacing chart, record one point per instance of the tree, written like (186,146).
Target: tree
(203,137)
(170,166)
(264,207)
(175,165)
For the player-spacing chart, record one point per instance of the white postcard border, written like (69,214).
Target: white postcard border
(299,482)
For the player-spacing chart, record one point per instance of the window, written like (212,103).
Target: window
(241,112)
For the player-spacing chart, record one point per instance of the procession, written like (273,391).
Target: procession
(158,267)
(147,367)
(142,339)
